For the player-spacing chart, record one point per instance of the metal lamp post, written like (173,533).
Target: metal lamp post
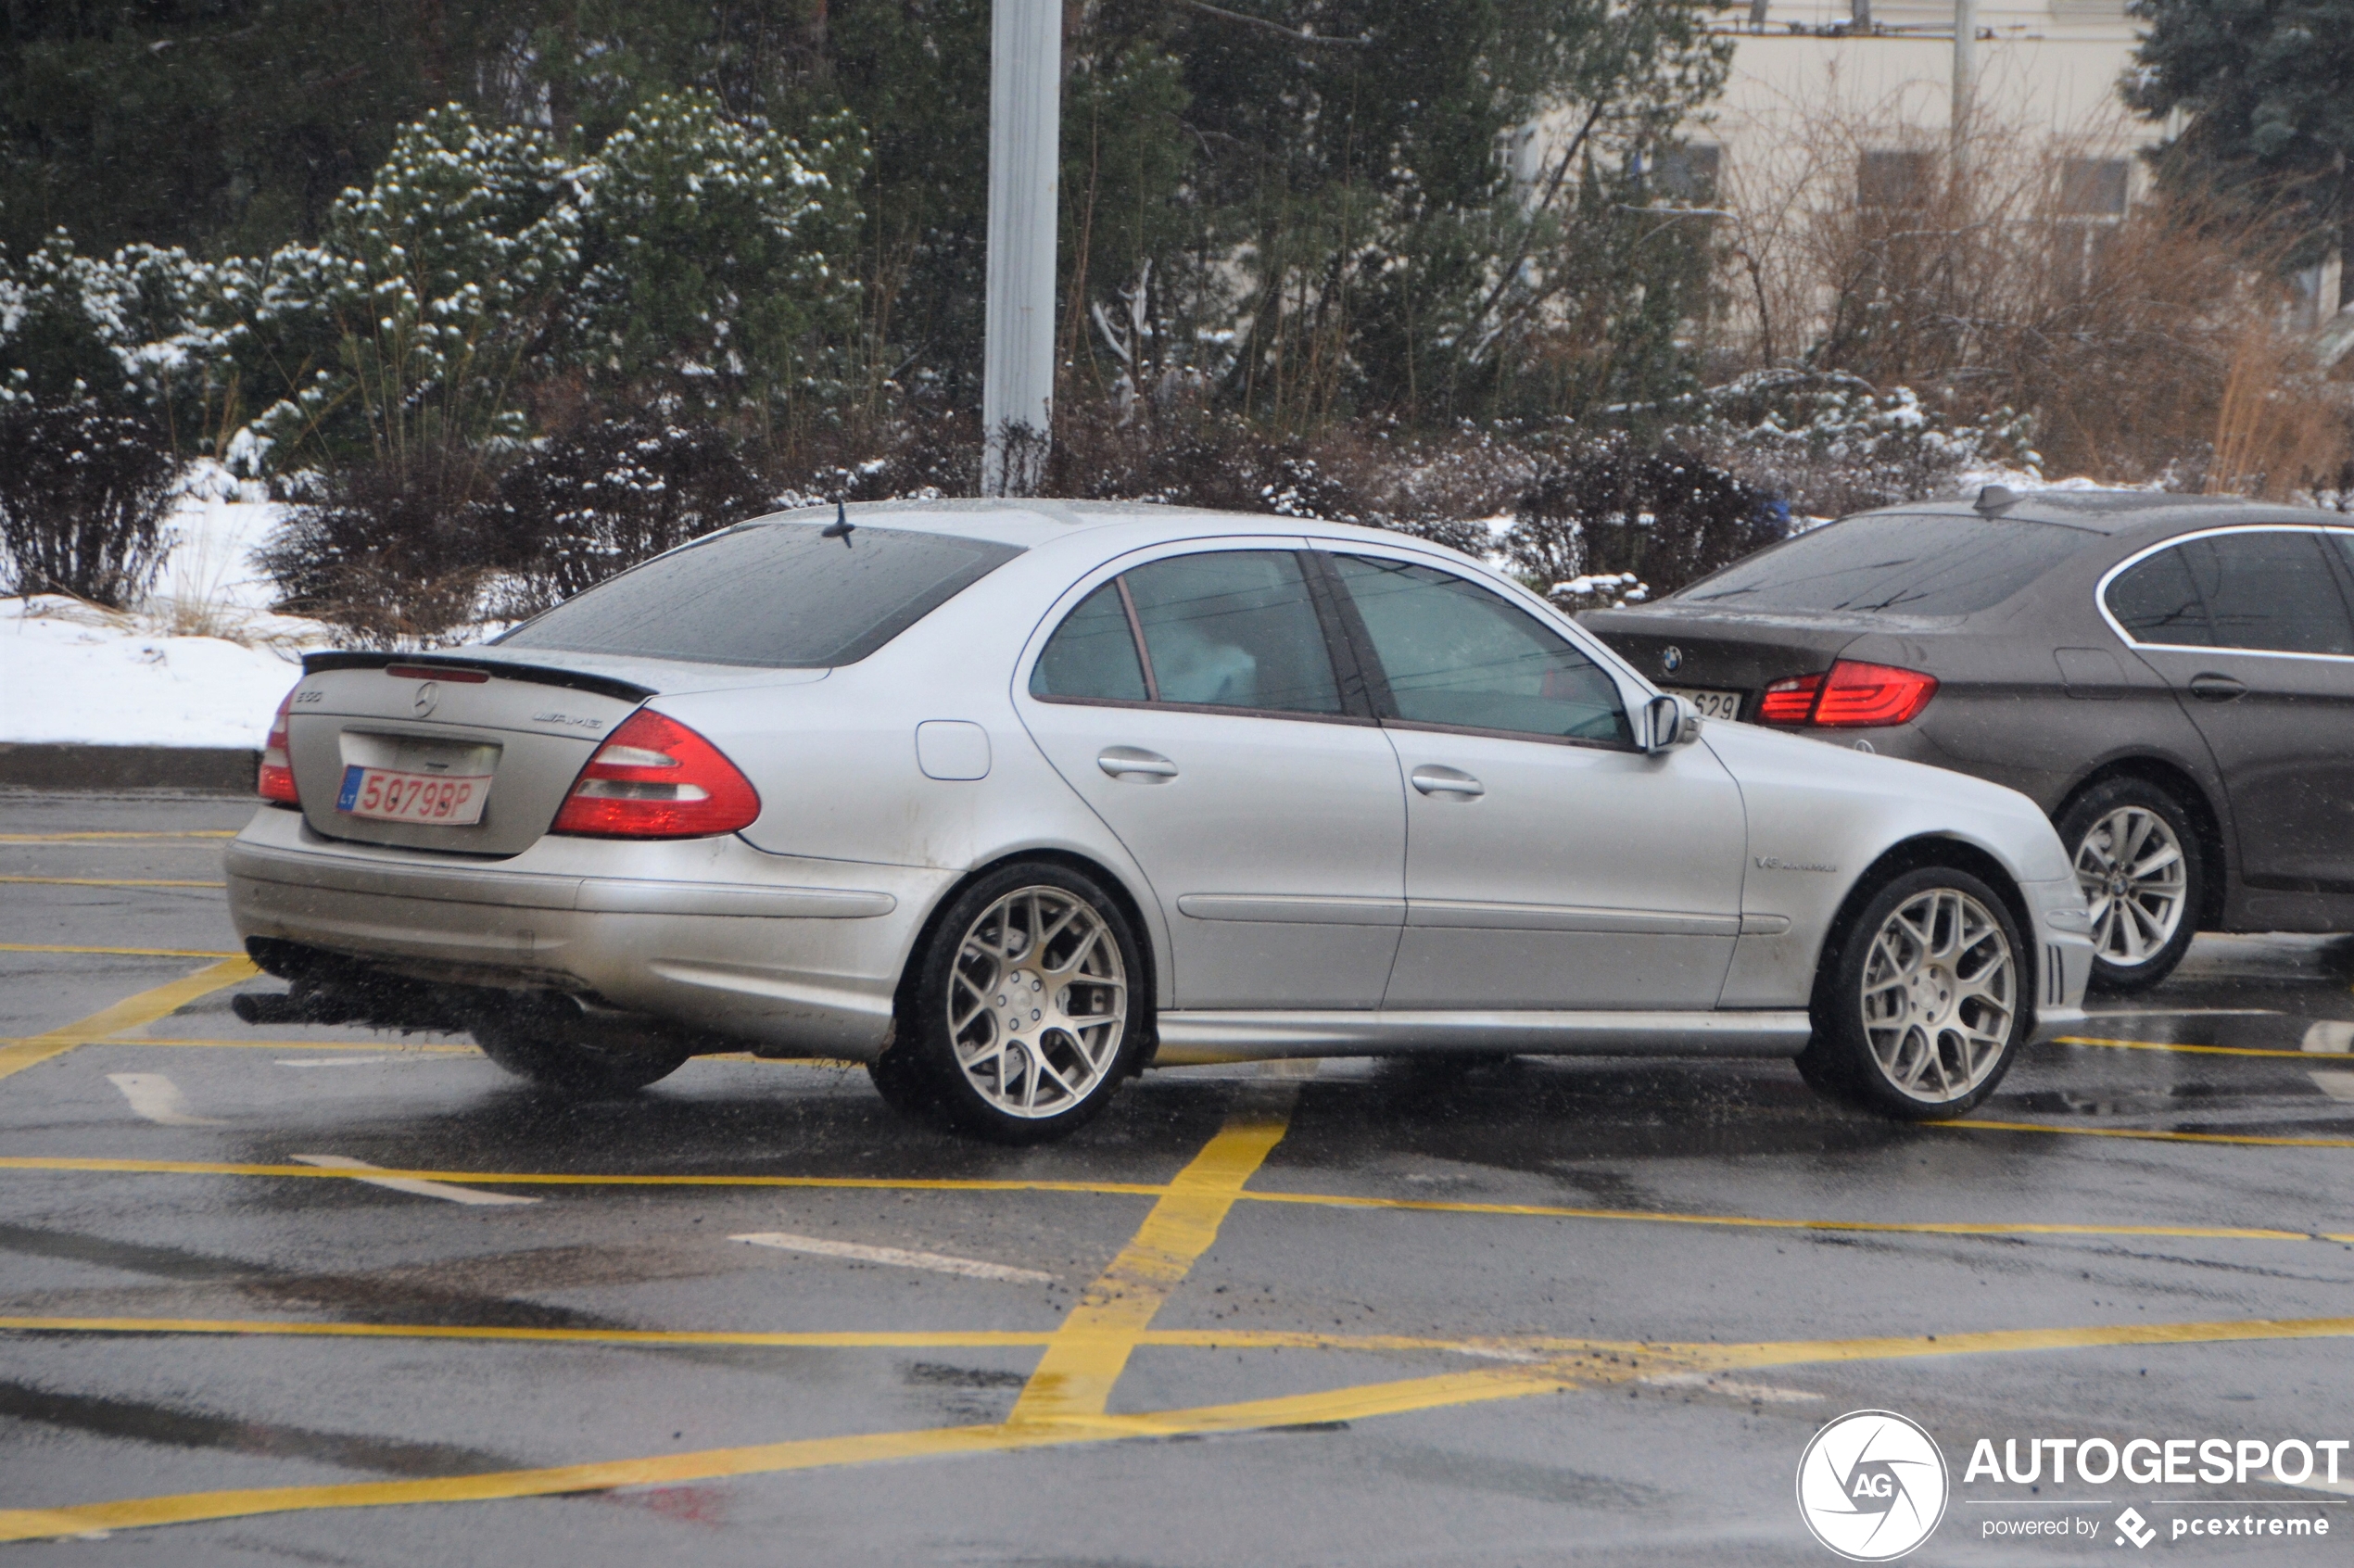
(1025,131)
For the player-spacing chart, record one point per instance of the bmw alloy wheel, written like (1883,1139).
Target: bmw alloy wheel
(1037,1002)
(1940,995)
(2135,881)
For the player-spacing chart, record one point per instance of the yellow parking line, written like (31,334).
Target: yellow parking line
(132,1012)
(1743,1221)
(558,1179)
(1145,1189)
(120,952)
(111,882)
(2251,1140)
(1361,1402)
(2197,1050)
(85,838)
(1073,1380)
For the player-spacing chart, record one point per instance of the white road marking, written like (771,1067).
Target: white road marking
(410,1184)
(2336,1085)
(971,1268)
(157,1098)
(2331,1037)
(1763,1393)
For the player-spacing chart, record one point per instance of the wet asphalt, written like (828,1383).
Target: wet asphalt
(1544,1311)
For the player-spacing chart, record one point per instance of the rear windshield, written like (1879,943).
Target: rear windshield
(770,594)
(1916,565)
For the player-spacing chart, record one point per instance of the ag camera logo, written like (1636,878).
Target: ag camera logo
(1872,1485)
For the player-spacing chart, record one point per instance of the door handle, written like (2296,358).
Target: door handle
(1447,781)
(2212,688)
(1135,764)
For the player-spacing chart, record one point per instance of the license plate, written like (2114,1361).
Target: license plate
(389,795)
(1712,704)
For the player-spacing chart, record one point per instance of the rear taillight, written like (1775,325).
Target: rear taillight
(276,781)
(1789,702)
(656,778)
(1854,695)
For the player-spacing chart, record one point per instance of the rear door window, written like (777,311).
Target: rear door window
(1458,654)
(1912,565)
(1092,656)
(1235,628)
(2271,589)
(774,595)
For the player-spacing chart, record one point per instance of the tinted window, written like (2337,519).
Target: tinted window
(1456,653)
(2270,590)
(1912,565)
(1092,653)
(2155,600)
(1234,629)
(771,594)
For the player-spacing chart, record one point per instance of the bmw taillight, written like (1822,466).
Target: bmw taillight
(276,782)
(1789,702)
(656,778)
(1854,695)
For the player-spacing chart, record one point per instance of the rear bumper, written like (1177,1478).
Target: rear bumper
(789,956)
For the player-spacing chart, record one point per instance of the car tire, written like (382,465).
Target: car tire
(2146,909)
(525,1037)
(1920,1009)
(1006,1037)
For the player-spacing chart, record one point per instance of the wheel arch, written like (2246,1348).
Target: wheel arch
(2207,821)
(1953,855)
(1087,865)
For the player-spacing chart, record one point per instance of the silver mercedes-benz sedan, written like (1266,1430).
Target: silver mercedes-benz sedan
(1003,799)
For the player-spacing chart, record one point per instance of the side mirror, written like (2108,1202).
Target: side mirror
(1667,723)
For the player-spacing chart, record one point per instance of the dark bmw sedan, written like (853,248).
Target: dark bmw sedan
(2170,678)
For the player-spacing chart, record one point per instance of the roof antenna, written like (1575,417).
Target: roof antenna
(841,526)
(1994,498)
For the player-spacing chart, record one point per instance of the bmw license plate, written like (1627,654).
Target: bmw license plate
(389,795)
(1712,704)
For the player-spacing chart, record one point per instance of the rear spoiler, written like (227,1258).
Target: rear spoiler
(535,675)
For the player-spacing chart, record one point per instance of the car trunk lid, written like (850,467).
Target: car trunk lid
(1719,651)
(517,733)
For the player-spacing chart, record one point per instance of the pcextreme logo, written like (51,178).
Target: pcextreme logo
(1872,1485)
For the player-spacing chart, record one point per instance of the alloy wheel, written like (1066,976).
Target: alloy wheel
(1940,995)
(2135,883)
(1037,1002)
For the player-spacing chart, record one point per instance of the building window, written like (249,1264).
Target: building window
(1686,176)
(1894,181)
(2092,187)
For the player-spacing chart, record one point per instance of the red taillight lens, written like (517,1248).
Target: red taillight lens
(1789,702)
(656,778)
(276,781)
(1857,696)
(1854,696)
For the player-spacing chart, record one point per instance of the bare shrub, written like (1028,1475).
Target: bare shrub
(603,496)
(83,501)
(391,550)
(1662,517)
(1993,285)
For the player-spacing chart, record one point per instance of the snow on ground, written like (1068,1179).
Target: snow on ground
(204,663)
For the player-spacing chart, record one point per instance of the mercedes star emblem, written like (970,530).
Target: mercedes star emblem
(422,703)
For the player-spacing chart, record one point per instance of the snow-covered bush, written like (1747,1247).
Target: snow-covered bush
(1613,513)
(1830,445)
(597,501)
(717,255)
(82,499)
